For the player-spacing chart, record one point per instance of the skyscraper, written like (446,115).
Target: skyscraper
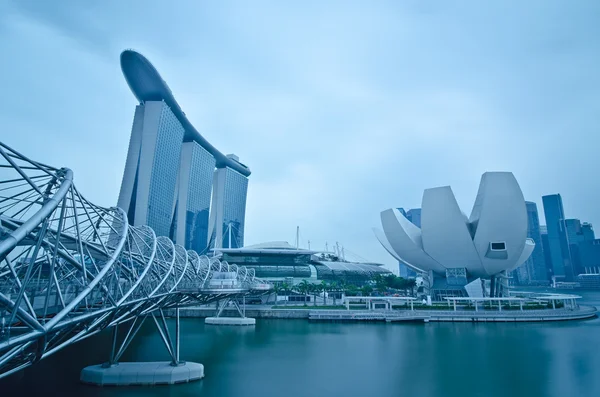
(534,269)
(554,214)
(589,252)
(572,234)
(151,168)
(170,167)
(193,196)
(546,249)
(414,216)
(228,209)
(588,231)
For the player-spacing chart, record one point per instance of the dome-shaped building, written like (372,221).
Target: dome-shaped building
(458,252)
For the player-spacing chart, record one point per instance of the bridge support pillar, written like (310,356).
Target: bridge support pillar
(148,373)
(241,311)
(114,373)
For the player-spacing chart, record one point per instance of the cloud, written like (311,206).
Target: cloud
(341,110)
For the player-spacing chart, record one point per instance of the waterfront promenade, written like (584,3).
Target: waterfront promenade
(316,314)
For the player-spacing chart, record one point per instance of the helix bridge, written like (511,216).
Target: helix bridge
(70,269)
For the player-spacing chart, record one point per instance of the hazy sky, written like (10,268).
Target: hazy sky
(340,109)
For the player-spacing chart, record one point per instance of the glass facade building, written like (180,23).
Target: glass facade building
(414,216)
(589,255)
(278,266)
(546,249)
(148,189)
(168,183)
(280,262)
(168,178)
(554,214)
(164,172)
(228,209)
(534,269)
(588,231)
(190,223)
(572,234)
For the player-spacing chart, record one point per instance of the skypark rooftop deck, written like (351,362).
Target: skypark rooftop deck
(147,85)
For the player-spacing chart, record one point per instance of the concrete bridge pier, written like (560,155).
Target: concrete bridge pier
(241,320)
(114,373)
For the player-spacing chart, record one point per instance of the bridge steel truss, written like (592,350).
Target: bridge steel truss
(70,269)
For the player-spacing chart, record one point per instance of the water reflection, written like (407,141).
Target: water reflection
(295,358)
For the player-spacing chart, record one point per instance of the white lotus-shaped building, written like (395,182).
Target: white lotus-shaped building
(492,240)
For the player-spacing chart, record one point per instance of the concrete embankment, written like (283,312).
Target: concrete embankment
(582,312)
(202,312)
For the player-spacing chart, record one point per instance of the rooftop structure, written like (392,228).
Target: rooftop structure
(147,85)
(280,261)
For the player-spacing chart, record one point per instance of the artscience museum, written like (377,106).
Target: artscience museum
(456,254)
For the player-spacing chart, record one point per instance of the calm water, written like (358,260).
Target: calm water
(294,358)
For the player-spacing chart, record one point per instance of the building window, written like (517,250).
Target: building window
(498,246)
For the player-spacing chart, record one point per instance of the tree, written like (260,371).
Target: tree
(277,288)
(304,288)
(366,290)
(324,288)
(285,288)
(381,285)
(390,280)
(334,287)
(351,290)
(411,284)
(399,283)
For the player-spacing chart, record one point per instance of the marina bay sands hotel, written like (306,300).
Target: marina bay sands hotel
(171,170)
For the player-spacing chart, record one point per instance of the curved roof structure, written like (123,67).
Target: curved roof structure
(147,85)
(493,240)
(270,247)
(349,271)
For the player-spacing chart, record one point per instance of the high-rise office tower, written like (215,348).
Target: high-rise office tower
(534,269)
(589,256)
(168,179)
(414,216)
(588,231)
(228,208)
(148,188)
(546,249)
(194,188)
(554,214)
(572,233)
(536,262)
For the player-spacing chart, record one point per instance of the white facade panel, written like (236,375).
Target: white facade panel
(133,155)
(501,217)
(445,233)
(405,239)
(380,235)
(215,223)
(182,190)
(527,251)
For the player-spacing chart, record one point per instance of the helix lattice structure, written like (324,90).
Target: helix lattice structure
(69,268)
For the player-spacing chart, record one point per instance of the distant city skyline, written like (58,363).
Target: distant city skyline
(363,110)
(565,247)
